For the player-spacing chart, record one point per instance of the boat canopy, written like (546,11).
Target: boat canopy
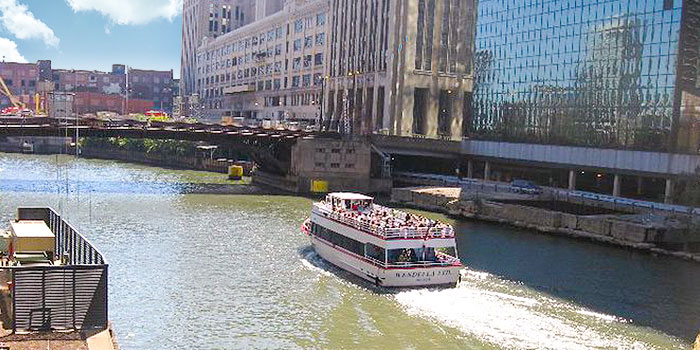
(349,201)
(350,196)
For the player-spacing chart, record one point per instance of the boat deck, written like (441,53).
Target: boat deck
(385,222)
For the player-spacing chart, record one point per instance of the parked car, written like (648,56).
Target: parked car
(525,186)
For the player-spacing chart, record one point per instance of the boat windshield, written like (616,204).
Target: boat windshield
(442,255)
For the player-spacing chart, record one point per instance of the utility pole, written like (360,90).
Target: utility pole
(127,90)
(77,116)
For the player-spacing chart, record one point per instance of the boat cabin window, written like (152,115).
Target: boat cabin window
(425,254)
(404,255)
(339,240)
(374,252)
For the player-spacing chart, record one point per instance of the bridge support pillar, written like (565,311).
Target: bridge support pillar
(668,195)
(572,180)
(617,181)
(487,170)
(470,169)
(640,183)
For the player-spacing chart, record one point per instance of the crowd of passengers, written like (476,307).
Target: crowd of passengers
(386,218)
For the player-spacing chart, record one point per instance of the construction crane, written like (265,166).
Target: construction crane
(13,100)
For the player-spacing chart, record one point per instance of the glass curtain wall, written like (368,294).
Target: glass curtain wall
(595,73)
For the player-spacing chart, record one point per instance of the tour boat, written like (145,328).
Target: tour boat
(388,247)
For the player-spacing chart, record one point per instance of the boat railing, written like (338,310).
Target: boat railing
(447,262)
(386,232)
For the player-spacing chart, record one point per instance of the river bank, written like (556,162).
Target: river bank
(619,229)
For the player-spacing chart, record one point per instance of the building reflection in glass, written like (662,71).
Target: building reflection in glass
(578,72)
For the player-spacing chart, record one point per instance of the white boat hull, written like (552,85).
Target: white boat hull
(386,277)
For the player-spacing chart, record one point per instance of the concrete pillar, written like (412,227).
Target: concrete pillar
(487,171)
(572,180)
(639,185)
(456,113)
(470,169)
(617,181)
(668,195)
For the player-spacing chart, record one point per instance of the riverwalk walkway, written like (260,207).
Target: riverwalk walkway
(483,186)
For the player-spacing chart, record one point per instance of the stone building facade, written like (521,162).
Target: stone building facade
(270,69)
(208,19)
(400,67)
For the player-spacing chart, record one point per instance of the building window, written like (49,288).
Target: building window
(419,34)
(335,150)
(308,42)
(318,59)
(320,39)
(320,165)
(349,166)
(430,25)
(297,45)
(298,25)
(321,19)
(335,165)
(320,150)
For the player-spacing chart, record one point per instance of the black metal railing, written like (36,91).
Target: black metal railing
(71,295)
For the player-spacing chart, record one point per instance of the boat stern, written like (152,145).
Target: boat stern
(433,276)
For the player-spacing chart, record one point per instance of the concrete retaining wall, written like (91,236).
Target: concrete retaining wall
(607,228)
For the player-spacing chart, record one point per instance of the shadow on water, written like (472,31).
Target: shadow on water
(651,291)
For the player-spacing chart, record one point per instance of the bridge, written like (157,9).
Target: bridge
(269,148)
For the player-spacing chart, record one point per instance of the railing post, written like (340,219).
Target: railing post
(74,277)
(106,311)
(14,302)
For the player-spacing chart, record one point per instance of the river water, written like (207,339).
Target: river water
(232,271)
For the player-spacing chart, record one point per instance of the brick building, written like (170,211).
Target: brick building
(21,79)
(92,102)
(107,90)
(152,85)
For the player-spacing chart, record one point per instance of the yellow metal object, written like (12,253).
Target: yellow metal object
(319,186)
(36,103)
(6,91)
(697,343)
(235,172)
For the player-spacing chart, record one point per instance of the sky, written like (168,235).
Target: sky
(92,34)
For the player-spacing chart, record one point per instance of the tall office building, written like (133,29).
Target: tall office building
(397,67)
(269,69)
(607,74)
(400,67)
(208,19)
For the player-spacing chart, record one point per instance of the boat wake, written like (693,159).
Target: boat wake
(313,262)
(512,316)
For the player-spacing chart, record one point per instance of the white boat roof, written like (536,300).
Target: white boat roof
(31,228)
(350,196)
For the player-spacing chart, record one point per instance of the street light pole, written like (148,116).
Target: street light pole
(77,116)
(127,90)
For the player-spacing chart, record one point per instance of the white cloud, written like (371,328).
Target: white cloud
(127,12)
(9,53)
(19,21)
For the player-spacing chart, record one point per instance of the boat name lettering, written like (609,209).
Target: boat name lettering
(418,274)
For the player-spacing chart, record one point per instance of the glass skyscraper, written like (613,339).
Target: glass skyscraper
(598,73)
